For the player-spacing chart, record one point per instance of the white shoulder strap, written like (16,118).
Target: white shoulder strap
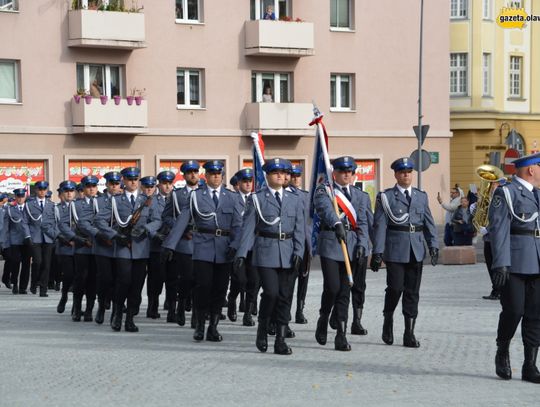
(509,202)
(257,206)
(386,207)
(116,215)
(30,214)
(206,216)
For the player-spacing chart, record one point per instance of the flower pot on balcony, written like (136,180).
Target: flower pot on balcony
(138,100)
(77,98)
(88,99)
(117,100)
(130,100)
(104,99)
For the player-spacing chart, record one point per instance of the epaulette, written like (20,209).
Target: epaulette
(419,190)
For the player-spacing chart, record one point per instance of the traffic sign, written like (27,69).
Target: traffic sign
(426,159)
(425,129)
(510,155)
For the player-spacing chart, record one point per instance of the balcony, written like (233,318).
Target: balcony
(106,29)
(109,118)
(279,38)
(283,119)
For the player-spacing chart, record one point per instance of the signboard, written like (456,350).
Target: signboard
(174,166)
(366,178)
(434,157)
(510,155)
(77,169)
(20,174)
(426,160)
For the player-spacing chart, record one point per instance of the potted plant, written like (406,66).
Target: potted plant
(117,99)
(140,96)
(104,99)
(87,98)
(77,96)
(131,96)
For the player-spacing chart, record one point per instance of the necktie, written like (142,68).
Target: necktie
(215,197)
(132,201)
(41,205)
(408,196)
(346,193)
(20,209)
(278,198)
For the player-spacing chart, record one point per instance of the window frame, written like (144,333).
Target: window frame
(17,82)
(512,74)
(106,71)
(460,72)
(487,10)
(259,88)
(257,9)
(15,8)
(350,26)
(338,78)
(187,81)
(487,88)
(459,6)
(199,20)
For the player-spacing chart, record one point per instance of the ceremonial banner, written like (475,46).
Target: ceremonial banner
(20,174)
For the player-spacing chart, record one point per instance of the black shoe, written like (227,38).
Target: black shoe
(502,361)
(15,289)
(33,288)
(321,333)
(100,314)
(116,317)
(129,325)
(153,307)
(262,335)
(43,292)
(212,333)
(409,340)
(529,371)
(247,320)
(356,326)
(388,329)
(188,304)
(77,312)
(8,285)
(107,304)
(271,328)
(340,342)
(222,317)
(494,295)
(198,335)
(231,309)
(289,333)
(171,312)
(88,315)
(280,346)
(181,312)
(299,318)
(61,307)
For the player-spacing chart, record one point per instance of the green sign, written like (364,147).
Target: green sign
(434,157)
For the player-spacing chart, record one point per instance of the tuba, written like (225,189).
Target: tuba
(489,174)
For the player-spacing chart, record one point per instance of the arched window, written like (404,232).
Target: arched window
(516,141)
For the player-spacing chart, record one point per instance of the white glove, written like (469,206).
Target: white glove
(483,231)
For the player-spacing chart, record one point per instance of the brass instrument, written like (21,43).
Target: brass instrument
(489,174)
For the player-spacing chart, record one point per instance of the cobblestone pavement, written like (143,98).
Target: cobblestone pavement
(47,360)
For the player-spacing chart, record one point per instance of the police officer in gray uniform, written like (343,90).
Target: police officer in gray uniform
(349,226)
(514,229)
(4,245)
(274,230)
(42,224)
(402,223)
(128,220)
(179,278)
(217,219)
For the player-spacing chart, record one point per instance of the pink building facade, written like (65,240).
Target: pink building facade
(207,74)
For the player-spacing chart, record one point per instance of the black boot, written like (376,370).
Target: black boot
(356,326)
(15,289)
(262,335)
(289,333)
(247,320)
(212,333)
(231,308)
(150,306)
(188,304)
(88,316)
(100,314)
(171,312)
(502,360)
(321,333)
(198,335)
(242,305)
(129,325)
(340,342)
(153,307)
(299,317)
(529,371)
(388,329)
(77,312)
(280,346)
(61,307)
(181,312)
(116,317)
(33,288)
(409,340)
(43,292)
(494,295)
(271,328)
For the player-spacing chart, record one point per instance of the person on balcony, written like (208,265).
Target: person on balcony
(267,95)
(269,14)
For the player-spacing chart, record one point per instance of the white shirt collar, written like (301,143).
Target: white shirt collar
(526,184)
(218,189)
(245,196)
(134,193)
(345,188)
(402,190)
(273,191)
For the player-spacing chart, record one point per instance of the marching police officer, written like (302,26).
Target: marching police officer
(349,226)
(217,219)
(42,226)
(274,230)
(402,221)
(514,229)
(3,241)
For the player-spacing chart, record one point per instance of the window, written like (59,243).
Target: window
(515,77)
(341,92)
(486,74)
(100,80)
(9,81)
(458,74)
(9,5)
(486,10)
(189,82)
(189,10)
(516,3)
(263,9)
(271,87)
(459,8)
(340,14)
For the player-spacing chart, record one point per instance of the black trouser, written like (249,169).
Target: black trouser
(489,261)
(211,281)
(336,288)
(129,281)
(55,274)
(245,280)
(184,272)
(20,261)
(67,266)
(358,290)
(303,279)
(278,289)
(6,274)
(41,264)
(105,267)
(84,282)
(520,300)
(156,275)
(403,278)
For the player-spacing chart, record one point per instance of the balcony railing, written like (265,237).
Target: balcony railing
(106,29)
(279,38)
(285,119)
(110,117)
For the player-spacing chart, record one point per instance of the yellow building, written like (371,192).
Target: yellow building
(494,85)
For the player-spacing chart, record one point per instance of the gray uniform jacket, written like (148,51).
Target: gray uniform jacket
(158,205)
(64,224)
(396,245)
(3,234)
(329,246)
(179,199)
(273,252)
(41,223)
(208,246)
(107,223)
(89,227)
(17,225)
(304,197)
(84,224)
(519,252)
